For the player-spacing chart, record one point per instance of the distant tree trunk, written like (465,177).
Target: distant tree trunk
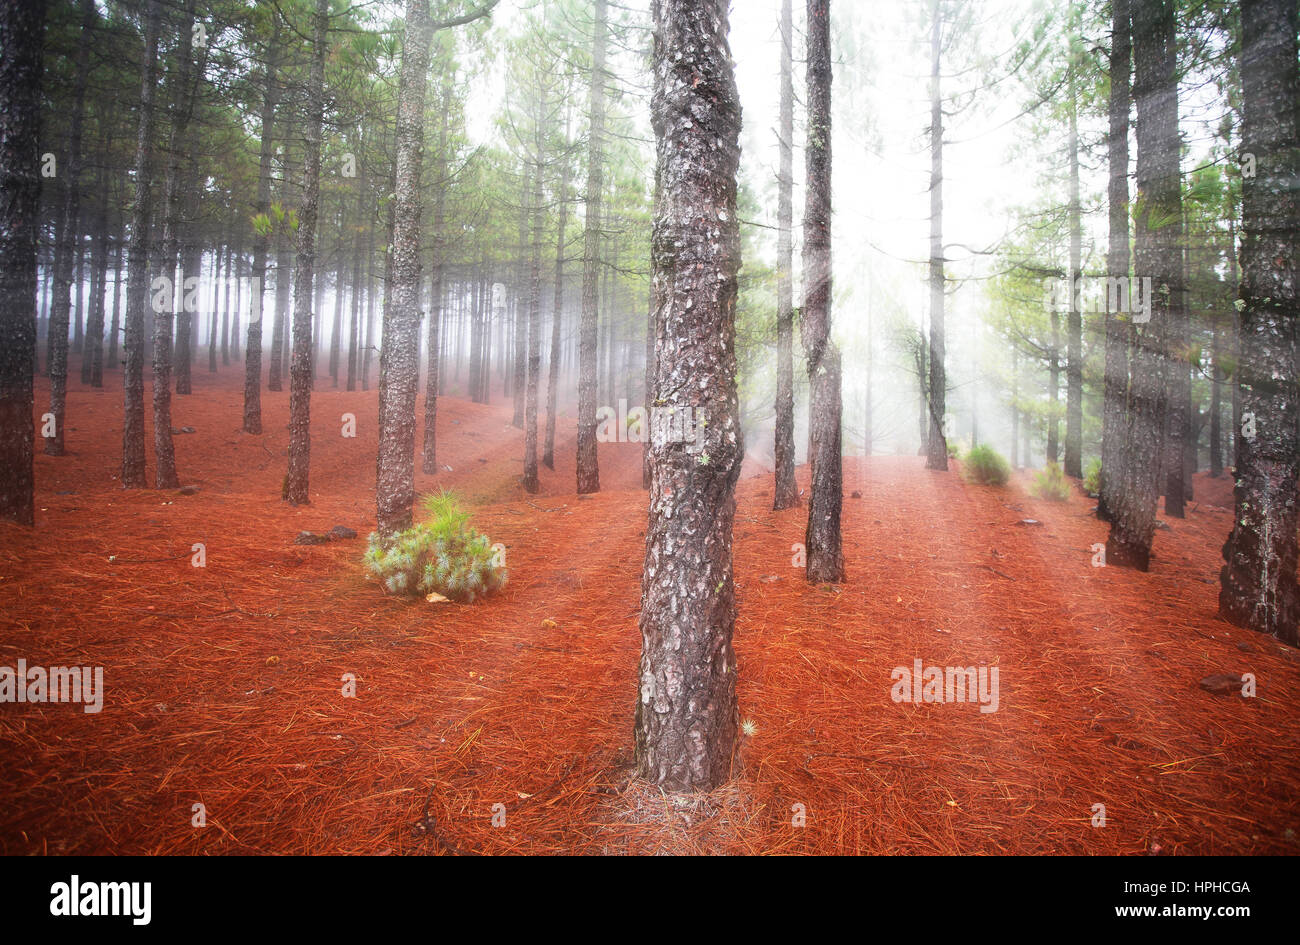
(557,314)
(115,328)
(1074,324)
(274,382)
(92,362)
(515,386)
(214,322)
(1258,582)
(588,468)
(304,271)
(438,240)
(336,333)
(1157,225)
(358,252)
(261,237)
(69,238)
(937,449)
(164,449)
(786,492)
(399,361)
(22,44)
(824,547)
(534,327)
(133,450)
(1119,330)
(686,715)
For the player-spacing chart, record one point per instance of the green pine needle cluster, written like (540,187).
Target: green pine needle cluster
(1051,484)
(985,465)
(440,555)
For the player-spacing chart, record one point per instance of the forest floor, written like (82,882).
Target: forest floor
(224,683)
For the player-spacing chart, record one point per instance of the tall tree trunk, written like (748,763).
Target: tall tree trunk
(165,476)
(261,237)
(399,361)
(588,468)
(557,313)
(1158,226)
(686,715)
(1119,330)
(133,449)
(275,374)
(358,253)
(534,327)
(115,327)
(69,238)
(304,271)
(22,44)
(92,362)
(936,456)
(785,492)
(1074,323)
(1258,582)
(824,546)
(438,244)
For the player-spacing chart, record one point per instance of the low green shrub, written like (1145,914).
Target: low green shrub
(985,465)
(1050,483)
(440,555)
(1092,477)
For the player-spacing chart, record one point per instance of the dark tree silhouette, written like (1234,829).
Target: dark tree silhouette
(588,467)
(22,46)
(786,492)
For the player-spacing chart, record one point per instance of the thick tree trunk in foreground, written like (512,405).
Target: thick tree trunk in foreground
(686,716)
(1259,579)
(399,360)
(588,468)
(300,365)
(936,456)
(137,275)
(22,44)
(785,492)
(1158,230)
(1119,330)
(825,554)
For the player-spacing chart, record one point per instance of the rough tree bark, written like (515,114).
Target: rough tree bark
(22,44)
(300,366)
(534,327)
(1258,582)
(1157,226)
(686,715)
(399,358)
(786,492)
(588,468)
(823,541)
(137,274)
(1119,330)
